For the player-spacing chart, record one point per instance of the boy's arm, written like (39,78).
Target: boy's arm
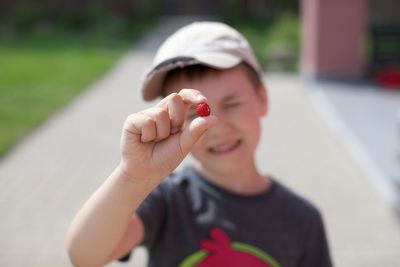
(133,236)
(101,225)
(153,144)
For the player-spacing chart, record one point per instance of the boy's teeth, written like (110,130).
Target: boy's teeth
(224,148)
(220,149)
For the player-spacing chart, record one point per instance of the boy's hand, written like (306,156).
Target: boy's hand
(154,141)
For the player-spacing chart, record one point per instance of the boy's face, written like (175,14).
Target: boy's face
(230,145)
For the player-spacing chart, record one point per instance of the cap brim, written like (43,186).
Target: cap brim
(153,83)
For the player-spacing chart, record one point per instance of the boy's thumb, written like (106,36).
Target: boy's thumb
(194,130)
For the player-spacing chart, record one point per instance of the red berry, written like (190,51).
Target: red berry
(203,109)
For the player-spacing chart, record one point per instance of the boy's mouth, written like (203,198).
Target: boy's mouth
(226,148)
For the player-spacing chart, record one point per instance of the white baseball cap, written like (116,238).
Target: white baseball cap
(213,44)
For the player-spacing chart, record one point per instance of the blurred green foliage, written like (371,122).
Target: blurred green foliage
(272,28)
(276,44)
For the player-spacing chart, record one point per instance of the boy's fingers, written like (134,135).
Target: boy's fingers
(162,122)
(149,131)
(177,105)
(194,130)
(142,126)
(192,96)
(176,109)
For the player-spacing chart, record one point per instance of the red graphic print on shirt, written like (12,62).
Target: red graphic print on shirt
(222,252)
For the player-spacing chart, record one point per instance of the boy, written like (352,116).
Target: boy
(222,211)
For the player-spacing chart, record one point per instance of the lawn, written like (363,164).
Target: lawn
(41,71)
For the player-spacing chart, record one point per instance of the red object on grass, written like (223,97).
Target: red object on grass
(203,109)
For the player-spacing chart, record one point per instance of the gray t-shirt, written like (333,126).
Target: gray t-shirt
(190,221)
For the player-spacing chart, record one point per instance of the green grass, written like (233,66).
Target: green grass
(276,44)
(41,71)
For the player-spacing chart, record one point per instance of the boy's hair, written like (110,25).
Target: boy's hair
(199,71)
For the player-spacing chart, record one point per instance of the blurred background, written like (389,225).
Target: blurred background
(51,50)
(70,72)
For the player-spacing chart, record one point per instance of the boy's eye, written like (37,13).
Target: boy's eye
(233,104)
(191,116)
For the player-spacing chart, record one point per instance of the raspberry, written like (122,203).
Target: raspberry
(203,109)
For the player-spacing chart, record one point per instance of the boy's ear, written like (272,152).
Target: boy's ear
(263,97)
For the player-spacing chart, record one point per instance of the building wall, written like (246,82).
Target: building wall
(333,32)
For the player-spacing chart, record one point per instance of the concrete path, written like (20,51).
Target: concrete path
(373,114)
(367,119)
(48,176)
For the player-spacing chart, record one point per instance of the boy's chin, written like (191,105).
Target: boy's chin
(217,169)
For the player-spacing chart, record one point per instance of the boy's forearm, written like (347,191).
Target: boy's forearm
(100,224)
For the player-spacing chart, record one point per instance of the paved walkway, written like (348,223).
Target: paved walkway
(367,119)
(48,176)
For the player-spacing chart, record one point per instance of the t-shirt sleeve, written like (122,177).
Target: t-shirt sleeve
(316,251)
(152,213)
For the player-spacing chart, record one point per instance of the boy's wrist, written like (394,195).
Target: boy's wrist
(120,171)
(129,180)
